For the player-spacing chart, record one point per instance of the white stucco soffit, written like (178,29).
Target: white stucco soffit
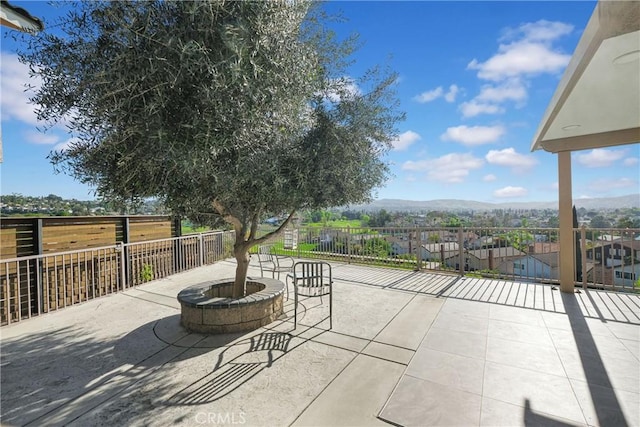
(597,102)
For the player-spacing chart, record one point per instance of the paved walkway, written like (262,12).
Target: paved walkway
(406,348)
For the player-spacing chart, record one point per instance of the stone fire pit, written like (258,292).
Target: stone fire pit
(208,307)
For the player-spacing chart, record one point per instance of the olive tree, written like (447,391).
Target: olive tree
(225,110)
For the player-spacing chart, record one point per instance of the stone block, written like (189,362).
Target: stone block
(191,315)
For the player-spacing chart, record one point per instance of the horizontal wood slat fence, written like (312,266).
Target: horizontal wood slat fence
(35,236)
(78,259)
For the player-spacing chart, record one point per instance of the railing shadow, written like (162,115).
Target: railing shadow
(614,307)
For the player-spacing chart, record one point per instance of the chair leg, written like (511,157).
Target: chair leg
(295,306)
(286,285)
(330,308)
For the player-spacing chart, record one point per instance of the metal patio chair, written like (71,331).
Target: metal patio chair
(311,279)
(274,264)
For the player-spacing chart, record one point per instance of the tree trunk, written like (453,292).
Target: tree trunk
(242,259)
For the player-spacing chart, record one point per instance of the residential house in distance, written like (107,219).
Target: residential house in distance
(485,259)
(400,245)
(483,242)
(626,275)
(544,247)
(439,251)
(616,262)
(613,253)
(440,236)
(533,266)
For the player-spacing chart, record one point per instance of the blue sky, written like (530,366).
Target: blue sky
(475,79)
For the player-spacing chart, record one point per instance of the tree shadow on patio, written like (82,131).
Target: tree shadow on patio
(58,374)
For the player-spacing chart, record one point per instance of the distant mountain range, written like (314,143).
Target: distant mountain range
(390,205)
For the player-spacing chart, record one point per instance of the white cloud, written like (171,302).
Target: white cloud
(630,161)
(15,100)
(510,191)
(41,138)
(520,58)
(490,177)
(510,158)
(474,108)
(404,140)
(606,184)
(491,96)
(416,166)
(430,95)
(451,168)
(473,135)
(512,90)
(600,158)
(451,95)
(542,31)
(523,52)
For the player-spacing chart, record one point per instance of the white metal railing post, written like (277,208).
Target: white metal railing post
(418,249)
(7,292)
(583,252)
(201,249)
(348,244)
(120,248)
(461,252)
(39,285)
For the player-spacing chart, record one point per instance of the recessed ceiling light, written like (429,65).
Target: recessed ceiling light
(627,57)
(570,127)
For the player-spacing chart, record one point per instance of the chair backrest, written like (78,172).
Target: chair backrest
(265,253)
(313,276)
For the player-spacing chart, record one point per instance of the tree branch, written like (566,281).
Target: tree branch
(237,225)
(254,225)
(275,232)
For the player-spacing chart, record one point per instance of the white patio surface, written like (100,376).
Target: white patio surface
(406,348)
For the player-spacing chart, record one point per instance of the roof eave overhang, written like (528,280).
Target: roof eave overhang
(19,19)
(591,141)
(609,20)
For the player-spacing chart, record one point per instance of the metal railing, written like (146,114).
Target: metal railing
(38,284)
(604,258)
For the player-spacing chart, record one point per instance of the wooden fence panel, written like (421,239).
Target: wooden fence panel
(156,230)
(9,247)
(63,238)
(19,236)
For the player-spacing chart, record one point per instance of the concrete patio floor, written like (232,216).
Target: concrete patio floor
(406,348)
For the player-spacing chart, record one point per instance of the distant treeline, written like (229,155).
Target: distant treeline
(19,205)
